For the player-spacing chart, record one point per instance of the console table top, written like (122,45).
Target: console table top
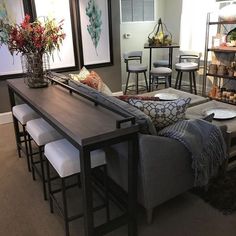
(75,117)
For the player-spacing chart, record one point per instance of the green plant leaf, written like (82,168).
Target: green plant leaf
(94,28)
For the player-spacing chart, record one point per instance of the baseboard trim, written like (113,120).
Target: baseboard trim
(5,118)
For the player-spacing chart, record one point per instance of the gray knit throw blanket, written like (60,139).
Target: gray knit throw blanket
(204,141)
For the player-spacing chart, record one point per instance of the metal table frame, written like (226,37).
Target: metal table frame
(85,146)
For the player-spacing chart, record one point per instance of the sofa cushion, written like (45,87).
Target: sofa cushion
(83,73)
(163,114)
(142,119)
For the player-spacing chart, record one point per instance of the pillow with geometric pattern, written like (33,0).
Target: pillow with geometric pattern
(162,113)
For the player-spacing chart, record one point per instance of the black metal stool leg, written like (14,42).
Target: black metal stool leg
(194,83)
(136,83)
(17,135)
(190,81)
(127,83)
(49,186)
(42,172)
(26,148)
(145,76)
(65,206)
(31,157)
(177,80)
(180,79)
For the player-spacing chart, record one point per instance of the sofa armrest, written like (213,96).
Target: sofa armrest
(164,168)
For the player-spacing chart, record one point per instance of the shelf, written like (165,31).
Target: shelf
(223,49)
(221,76)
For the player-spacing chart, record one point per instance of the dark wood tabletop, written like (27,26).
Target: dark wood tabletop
(75,116)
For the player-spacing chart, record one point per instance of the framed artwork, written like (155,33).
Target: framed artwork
(66,58)
(95,34)
(12,11)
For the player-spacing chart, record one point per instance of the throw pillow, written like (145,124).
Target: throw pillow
(163,114)
(126,98)
(93,80)
(83,73)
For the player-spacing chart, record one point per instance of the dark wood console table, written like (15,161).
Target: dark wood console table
(88,126)
(170,47)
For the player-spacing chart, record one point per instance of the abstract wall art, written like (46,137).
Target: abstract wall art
(95,33)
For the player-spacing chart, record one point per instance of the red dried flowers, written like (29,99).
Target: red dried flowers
(32,37)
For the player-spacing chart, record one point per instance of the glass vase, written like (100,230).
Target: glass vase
(35,66)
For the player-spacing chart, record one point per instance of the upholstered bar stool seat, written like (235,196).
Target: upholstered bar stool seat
(186,66)
(64,158)
(137,68)
(23,113)
(41,133)
(190,64)
(160,73)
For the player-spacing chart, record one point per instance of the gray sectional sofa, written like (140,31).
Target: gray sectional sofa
(164,169)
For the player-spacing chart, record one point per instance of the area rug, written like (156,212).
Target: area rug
(220,193)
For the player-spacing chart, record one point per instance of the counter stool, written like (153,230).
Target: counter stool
(136,68)
(41,133)
(190,64)
(158,74)
(21,115)
(64,158)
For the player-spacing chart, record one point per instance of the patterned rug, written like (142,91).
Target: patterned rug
(221,192)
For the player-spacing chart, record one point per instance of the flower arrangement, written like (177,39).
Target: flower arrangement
(32,37)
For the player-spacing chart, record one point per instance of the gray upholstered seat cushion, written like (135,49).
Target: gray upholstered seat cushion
(161,71)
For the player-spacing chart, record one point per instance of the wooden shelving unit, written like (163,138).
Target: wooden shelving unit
(231,51)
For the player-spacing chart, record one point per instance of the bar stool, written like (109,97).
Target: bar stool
(158,74)
(64,158)
(135,68)
(41,133)
(21,115)
(190,64)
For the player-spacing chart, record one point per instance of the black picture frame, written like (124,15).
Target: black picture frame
(32,8)
(92,56)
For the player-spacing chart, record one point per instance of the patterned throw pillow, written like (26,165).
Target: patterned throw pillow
(81,76)
(163,114)
(93,80)
(126,98)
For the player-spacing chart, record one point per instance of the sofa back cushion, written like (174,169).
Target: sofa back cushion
(144,121)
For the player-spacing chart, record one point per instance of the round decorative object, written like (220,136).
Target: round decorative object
(228,13)
(167,96)
(221,113)
(34,66)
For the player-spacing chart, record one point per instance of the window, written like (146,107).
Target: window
(137,10)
